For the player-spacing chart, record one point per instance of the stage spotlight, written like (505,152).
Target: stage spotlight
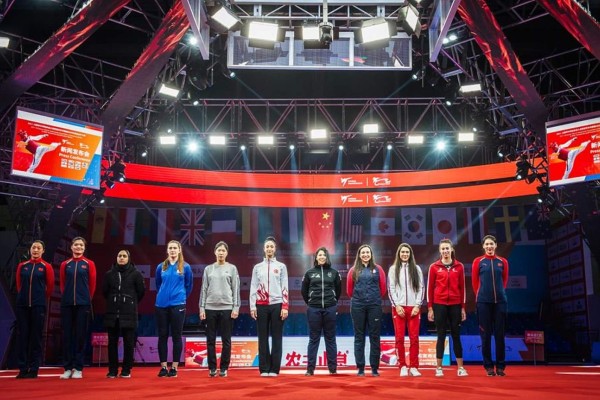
(470,88)
(243,147)
(340,147)
(292,147)
(408,19)
(466,136)
(522,169)
(318,134)
(390,146)
(226,18)
(4,41)
(110,183)
(440,145)
(375,33)
(416,139)
(265,140)
(192,146)
(217,140)
(370,128)
(144,152)
(118,170)
(263,34)
(168,91)
(167,139)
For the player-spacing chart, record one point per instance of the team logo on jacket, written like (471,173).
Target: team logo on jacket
(329,274)
(275,271)
(84,266)
(40,269)
(316,276)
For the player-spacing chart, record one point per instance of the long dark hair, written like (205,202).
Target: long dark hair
(327,260)
(412,267)
(358,265)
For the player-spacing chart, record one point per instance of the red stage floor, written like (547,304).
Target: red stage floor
(521,382)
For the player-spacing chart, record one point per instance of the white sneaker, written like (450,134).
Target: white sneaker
(462,372)
(264,374)
(439,372)
(414,372)
(77,374)
(67,374)
(273,374)
(404,371)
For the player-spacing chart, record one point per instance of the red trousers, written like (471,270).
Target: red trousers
(414,324)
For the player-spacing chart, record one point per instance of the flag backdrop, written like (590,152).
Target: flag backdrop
(318,229)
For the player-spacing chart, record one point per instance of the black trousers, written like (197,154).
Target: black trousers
(170,319)
(113,347)
(221,320)
(269,323)
(30,325)
(367,317)
(444,316)
(492,319)
(322,320)
(75,323)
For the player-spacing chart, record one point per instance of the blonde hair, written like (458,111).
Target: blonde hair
(180,260)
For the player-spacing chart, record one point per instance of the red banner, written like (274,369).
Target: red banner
(318,229)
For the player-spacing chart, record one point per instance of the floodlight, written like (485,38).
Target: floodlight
(226,18)
(167,139)
(318,134)
(472,87)
(168,91)
(370,128)
(265,140)
(408,19)
(217,140)
(466,136)
(416,139)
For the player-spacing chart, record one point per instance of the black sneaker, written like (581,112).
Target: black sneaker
(375,373)
(21,375)
(112,375)
(332,372)
(172,373)
(223,373)
(125,374)
(163,372)
(309,372)
(490,372)
(500,372)
(212,373)
(361,372)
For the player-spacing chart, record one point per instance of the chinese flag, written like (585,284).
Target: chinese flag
(318,229)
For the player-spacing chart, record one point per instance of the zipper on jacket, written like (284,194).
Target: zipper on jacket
(268,281)
(322,288)
(31,283)
(406,285)
(75,285)
(493,281)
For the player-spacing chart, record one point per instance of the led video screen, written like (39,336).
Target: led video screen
(57,149)
(573,148)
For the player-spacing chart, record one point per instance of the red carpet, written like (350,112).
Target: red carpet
(521,382)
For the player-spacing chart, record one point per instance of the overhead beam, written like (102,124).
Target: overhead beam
(65,41)
(147,67)
(497,49)
(577,22)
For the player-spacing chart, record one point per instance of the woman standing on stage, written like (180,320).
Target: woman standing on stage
(123,288)
(269,304)
(35,282)
(219,306)
(446,302)
(174,282)
(405,280)
(489,278)
(321,290)
(366,286)
(77,285)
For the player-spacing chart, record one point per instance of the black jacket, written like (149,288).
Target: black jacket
(321,287)
(122,288)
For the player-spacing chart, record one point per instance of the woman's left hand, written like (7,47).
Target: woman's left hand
(463,314)
(284,314)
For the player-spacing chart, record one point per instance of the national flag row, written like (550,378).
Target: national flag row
(314,227)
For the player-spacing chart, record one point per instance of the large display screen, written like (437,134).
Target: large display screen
(57,149)
(573,148)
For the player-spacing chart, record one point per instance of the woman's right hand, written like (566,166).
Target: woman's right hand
(202,316)
(430,315)
(253,314)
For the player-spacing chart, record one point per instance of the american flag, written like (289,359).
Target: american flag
(352,225)
(192,226)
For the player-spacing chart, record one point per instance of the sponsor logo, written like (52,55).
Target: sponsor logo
(381,198)
(348,198)
(349,181)
(381,181)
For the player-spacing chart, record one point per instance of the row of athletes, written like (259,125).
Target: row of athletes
(219,305)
